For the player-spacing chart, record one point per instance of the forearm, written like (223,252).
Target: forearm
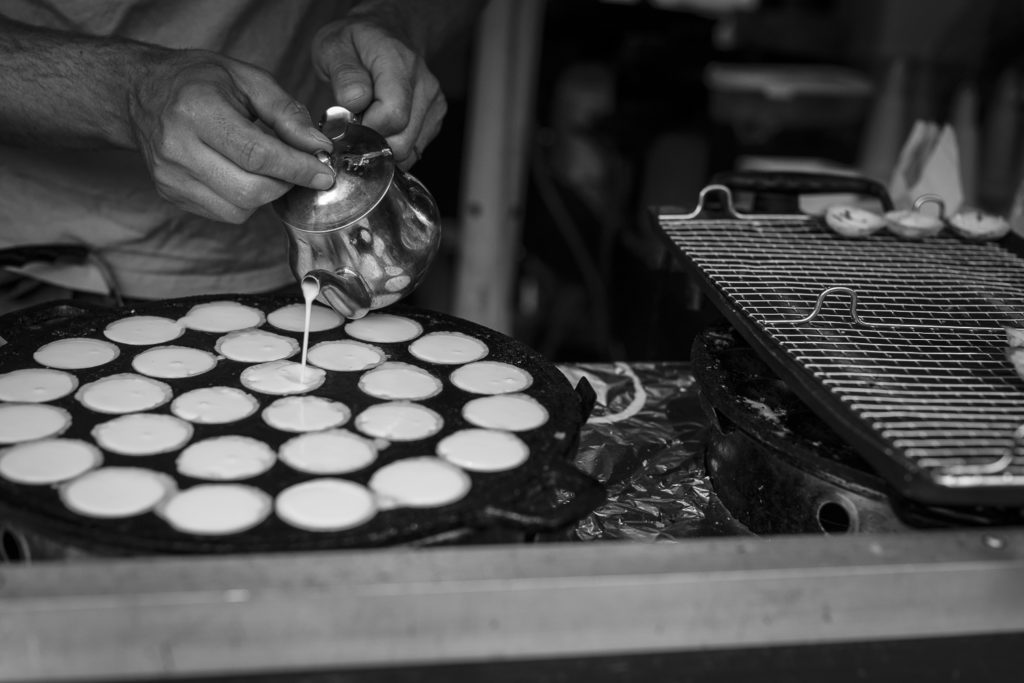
(66,90)
(426,25)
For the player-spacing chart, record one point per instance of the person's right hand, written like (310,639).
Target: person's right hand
(220,137)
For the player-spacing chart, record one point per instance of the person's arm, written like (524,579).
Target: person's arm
(192,114)
(375,60)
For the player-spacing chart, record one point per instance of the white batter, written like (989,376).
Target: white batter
(174,362)
(142,434)
(256,346)
(27,421)
(325,505)
(216,509)
(281,377)
(448,348)
(332,451)
(399,421)
(36,385)
(122,393)
(399,381)
(226,458)
(214,405)
(345,355)
(76,353)
(483,450)
(115,492)
(143,330)
(310,290)
(48,461)
(305,414)
(293,318)
(491,377)
(384,328)
(420,482)
(513,412)
(222,316)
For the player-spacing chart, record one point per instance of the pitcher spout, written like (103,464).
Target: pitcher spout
(343,290)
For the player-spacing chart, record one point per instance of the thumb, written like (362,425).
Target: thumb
(352,85)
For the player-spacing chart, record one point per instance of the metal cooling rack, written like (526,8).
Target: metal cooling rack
(899,345)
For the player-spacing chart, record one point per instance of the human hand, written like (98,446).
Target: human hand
(374,73)
(220,137)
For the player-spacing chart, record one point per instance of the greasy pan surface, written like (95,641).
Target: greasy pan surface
(523,497)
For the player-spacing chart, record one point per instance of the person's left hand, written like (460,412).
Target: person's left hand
(375,74)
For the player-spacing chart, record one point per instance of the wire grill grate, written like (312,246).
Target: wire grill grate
(909,342)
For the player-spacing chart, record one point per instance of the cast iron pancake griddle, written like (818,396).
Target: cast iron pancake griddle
(545,492)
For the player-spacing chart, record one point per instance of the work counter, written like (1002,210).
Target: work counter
(658,583)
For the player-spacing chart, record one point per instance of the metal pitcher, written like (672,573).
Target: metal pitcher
(369,239)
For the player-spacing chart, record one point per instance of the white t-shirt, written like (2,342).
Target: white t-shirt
(106,198)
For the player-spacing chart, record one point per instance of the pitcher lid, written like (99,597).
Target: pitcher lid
(363,167)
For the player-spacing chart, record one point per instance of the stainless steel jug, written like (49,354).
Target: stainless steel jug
(369,239)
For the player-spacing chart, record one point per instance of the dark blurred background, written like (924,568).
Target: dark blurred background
(638,104)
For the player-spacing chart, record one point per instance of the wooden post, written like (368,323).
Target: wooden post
(499,129)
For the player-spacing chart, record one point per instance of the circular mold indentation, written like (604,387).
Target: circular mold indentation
(123,393)
(29,421)
(36,385)
(419,482)
(76,353)
(384,328)
(282,377)
(305,414)
(331,451)
(214,405)
(399,421)
(143,330)
(142,434)
(511,412)
(345,355)
(48,461)
(222,316)
(483,450)
(448,348)
(326,504)
(256,346)
(399,381)
(293,318)
(216,509)
(226,458)
(173,362)
(490,377)
(116,492)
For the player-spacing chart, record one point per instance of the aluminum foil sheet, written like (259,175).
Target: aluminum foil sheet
(645,441)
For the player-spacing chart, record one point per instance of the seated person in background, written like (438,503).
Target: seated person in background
(157,132)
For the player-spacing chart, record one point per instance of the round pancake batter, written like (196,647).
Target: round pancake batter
(115,492)
(226,458)
(216,509)
(214,405)
(76,353)
(325,505)
(491,377)
(448,348)
(48,461)
(281,377)
(123,393)
(305,414)
(419,482)
(399,381)
(483,450)
(383,328)
(222,316)
(27,421)
(256,346)
(399,421)
(293,318)
(332,451)
(345,355)
(173,362)
(143,330)
(512,412)
(142,434)
(36,385)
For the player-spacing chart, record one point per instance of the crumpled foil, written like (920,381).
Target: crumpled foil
(645,441)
